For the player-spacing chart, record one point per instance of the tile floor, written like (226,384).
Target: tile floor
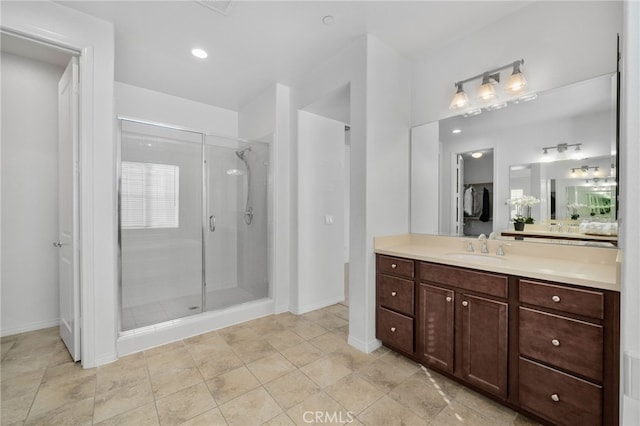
(278,370)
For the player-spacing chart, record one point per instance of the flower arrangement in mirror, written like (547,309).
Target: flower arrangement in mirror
(523,210)
(574,210)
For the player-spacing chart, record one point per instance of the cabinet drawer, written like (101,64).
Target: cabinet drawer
(395,266)
(395,329)
(566,299)
(396,294)
(559,397)
(481,282)
(573,345)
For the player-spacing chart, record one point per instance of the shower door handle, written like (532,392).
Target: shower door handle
(212,223)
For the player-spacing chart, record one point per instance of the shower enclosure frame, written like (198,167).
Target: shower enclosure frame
(270,212)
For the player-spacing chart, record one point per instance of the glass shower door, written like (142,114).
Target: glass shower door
(236,246)
(161,224)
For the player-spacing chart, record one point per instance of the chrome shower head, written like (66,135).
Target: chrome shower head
(241,153)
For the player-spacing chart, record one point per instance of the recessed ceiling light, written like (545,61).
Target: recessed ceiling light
(328,20)
(456,131)
(476,154)
(199,53)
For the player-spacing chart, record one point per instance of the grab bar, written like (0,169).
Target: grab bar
(212,223)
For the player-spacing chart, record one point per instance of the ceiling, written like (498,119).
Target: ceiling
(258,43)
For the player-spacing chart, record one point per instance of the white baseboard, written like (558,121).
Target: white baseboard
(299,310)
(24,328)
(366,347)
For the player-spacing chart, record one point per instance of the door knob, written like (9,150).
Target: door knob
(57,244)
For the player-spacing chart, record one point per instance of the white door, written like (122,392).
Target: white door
(459,207)
(68,230)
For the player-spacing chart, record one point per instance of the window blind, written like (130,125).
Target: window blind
(149,196)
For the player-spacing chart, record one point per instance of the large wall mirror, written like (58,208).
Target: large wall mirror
(559,148)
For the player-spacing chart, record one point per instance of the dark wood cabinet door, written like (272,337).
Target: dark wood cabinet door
(484,342)
(435,333)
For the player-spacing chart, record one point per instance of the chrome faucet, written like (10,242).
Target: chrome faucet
(469,246)
(500,251)
(483,239)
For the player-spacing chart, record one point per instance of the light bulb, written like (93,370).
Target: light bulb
(486,92)
(460,99)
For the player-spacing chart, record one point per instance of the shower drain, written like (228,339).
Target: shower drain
(193,308)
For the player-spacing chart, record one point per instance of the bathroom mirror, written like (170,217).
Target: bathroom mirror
(582,113)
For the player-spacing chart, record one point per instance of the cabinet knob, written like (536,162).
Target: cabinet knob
(556,299)
(555,342)
(394,266)
(448,299)
(393,293)
(393,329)
(555,397)
(465,303)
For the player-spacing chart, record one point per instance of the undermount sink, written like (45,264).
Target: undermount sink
(478,258)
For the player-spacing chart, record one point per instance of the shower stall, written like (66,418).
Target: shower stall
(193,223)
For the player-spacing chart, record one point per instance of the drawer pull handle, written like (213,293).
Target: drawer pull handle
(556,299)
(394,266)
(448,299)
(393,329)
(555,342)
(555,397)
(393,293)
(465,303)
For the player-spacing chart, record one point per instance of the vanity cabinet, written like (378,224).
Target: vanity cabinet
(477,352)
(549,350)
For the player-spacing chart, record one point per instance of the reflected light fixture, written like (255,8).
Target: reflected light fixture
(561,147)
(516,85)
(476,154)
(199,53)
(456,131)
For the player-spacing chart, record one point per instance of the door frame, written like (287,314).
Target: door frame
(58,26)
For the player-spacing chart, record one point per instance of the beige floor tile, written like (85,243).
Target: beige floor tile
(14,365)
(141,416)
(176,358)
(185,404)
(232,384)
(160,350)
(524,421)
(203,349)
(62,356)
(354,393)
(16,409)
(319,409)
(402,364)
(388,412)
(440,382)
(456,414)
(382,350)
(303,354)
(342,332)
(384,375)
(280,420)
(212,417)
(284,339)
(291,389)
(222,362)
(24,384)
(325,372)
(215,335)
(173,379)
(57,393)
(287,319)
(350,357)
(238,334)
(307,329)
(265,327)
(253,350)
(77,413)
(338,310)
(485,406)
(66,371)
(252,408)
(331,322)
(271,367)
(119,400)
(329,342)
(419,395)
(123,375)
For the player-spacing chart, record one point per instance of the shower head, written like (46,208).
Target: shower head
(241,153)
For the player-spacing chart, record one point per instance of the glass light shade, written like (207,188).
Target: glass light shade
(460,100)
(486,92)
(516,83)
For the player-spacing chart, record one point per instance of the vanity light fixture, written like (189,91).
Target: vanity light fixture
(456,131)
(585,169)
(476,154)
(561,147)
(516,85)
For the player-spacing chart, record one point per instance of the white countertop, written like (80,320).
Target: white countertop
(594,267)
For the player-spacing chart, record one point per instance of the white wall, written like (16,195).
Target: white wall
(560,42)
(425,172)
(29,194)
(143,104)
(629,208)
(94,39)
